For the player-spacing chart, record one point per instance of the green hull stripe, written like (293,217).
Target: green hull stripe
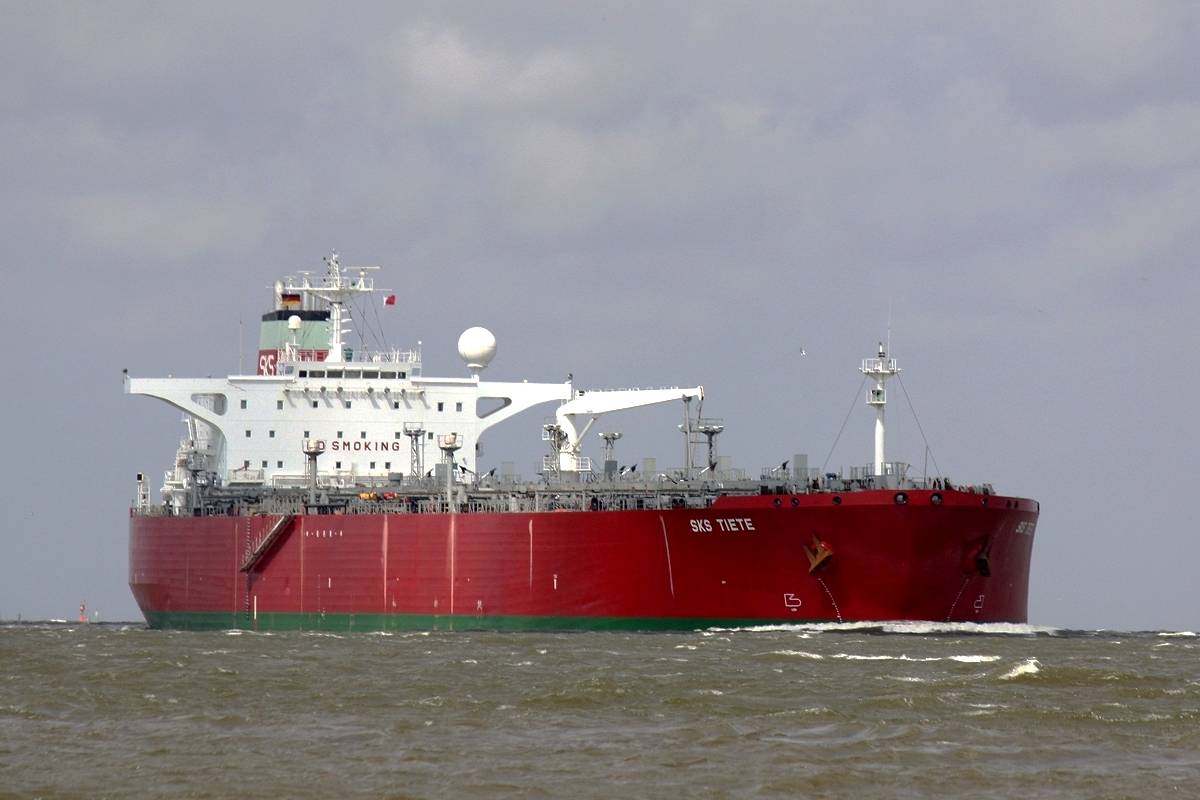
(224,620)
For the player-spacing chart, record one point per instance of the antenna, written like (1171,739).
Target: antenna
(609,439)
(337,289)
(889,326)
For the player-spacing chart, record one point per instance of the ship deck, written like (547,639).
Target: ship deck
(498,495)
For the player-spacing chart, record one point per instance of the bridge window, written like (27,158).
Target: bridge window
(458,406)
(387,465)
(441,406)
(347,404)
(339,434)
(314,403)
(243,404)
(245,465)
(279,405)
(372,465)
(279,464)
(337,465)
(396,404)
(264,465)
(387,375)
(270,434)
(431,434)
(362,435)
(307,434)
(247,434)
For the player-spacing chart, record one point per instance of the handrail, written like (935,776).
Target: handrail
(276,531)
(309,356)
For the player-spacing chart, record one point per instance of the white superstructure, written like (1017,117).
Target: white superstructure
(372,414)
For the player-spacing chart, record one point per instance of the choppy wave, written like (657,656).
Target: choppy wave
(801,629)
(912,628)
(955,629)
(880,711)
(801,653)
(964,659)
(1030,667)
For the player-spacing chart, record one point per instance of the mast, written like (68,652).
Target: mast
(880,369)
(337,288)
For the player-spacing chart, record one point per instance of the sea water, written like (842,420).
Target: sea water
(895,711)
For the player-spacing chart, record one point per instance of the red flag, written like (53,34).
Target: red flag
(390,300)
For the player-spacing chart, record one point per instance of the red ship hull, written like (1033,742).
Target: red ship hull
(746,560)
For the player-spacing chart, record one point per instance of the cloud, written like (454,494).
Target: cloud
(1098,45)
(450,77)
(160,230)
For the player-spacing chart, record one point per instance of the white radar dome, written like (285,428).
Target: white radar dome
(477,346)
(294,322)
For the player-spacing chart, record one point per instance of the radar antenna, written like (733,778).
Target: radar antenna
(610,465)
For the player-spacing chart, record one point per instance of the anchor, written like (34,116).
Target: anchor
(982,559)
(978,558)
(819,555)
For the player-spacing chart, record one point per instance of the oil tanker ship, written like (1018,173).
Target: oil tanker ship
(337,489)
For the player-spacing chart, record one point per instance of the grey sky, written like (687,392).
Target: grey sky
(640,194)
